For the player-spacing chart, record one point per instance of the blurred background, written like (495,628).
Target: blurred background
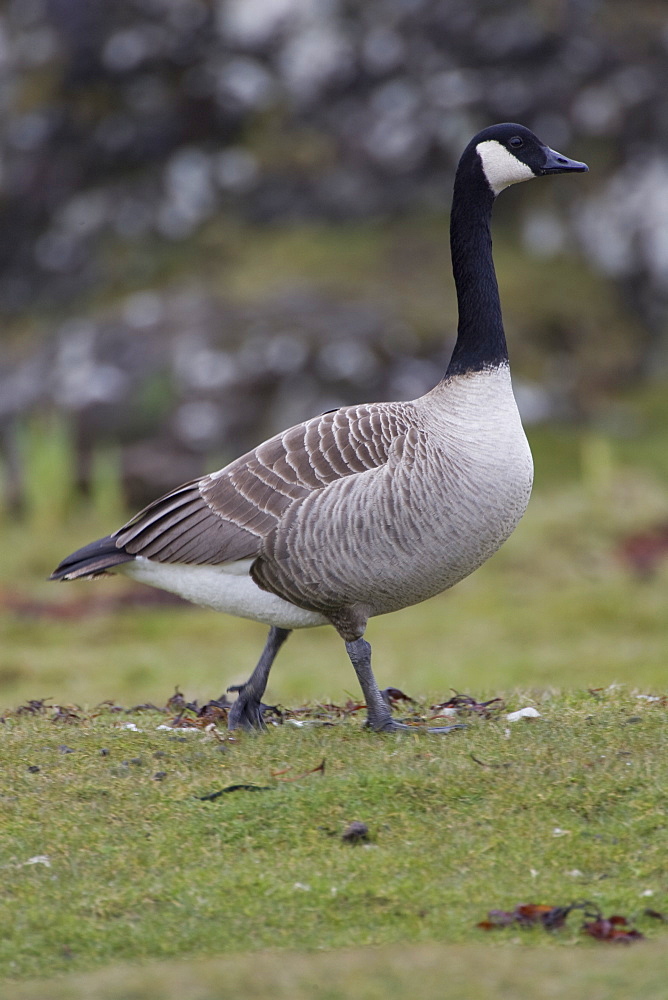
(218,217)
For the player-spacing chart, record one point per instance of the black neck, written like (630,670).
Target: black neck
(481,342)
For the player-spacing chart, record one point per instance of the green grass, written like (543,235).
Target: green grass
(570,805)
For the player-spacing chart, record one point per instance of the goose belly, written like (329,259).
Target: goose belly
(227,588)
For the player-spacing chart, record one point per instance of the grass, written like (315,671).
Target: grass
(569,805)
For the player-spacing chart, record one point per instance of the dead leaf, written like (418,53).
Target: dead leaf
(466,704)
(213,712)
(527,915)
(177,702)
(66,714)
(615,929)
(394,695)
(36,706)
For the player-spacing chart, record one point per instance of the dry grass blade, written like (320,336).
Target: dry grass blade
(319,769)
(483,763)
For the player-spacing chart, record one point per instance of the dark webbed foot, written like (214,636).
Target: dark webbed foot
(379,717)
(246,713)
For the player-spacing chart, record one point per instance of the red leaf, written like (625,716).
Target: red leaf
(613,929)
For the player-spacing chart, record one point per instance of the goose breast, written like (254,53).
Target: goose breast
(454,487)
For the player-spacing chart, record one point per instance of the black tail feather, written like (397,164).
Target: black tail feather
(91,561)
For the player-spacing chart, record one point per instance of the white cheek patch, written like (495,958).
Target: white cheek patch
(501,168)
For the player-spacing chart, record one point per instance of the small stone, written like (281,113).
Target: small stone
(523,713)
(34,768)
(355,832)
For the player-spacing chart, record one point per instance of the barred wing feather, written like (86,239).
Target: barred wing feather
(228,515)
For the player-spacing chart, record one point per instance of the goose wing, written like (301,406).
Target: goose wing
(228,515)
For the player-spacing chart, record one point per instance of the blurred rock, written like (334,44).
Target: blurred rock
(180,380)
(135,123)
(151,117)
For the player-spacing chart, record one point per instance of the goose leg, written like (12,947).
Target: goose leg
(246,713)
(378,713)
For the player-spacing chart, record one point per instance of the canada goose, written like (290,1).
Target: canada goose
(366,509)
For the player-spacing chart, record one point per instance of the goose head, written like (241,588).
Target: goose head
(509,153)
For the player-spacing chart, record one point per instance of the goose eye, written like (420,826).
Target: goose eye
(516,142)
